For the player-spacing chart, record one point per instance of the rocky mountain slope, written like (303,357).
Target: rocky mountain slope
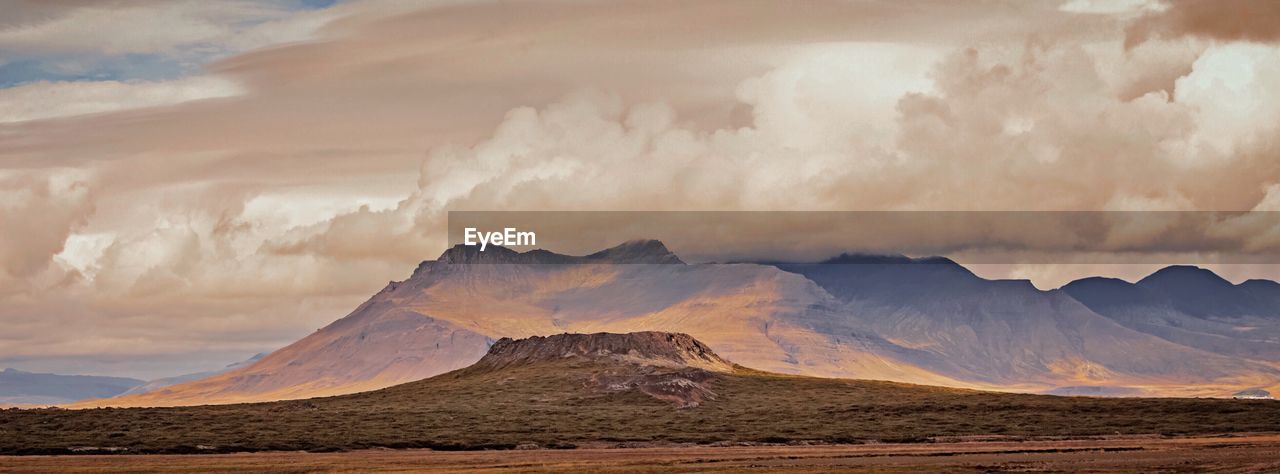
(925,321)
(652,388)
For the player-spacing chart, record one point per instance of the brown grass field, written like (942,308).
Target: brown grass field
(526,417)
(1255,453)
(553,405)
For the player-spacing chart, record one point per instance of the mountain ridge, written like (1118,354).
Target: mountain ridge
(1192,306)
(639,251)
(928,321)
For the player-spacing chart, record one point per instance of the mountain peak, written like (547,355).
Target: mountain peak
(637,251)
(1200,292)
(471,254)
(634,251)
(865,258)
(1100,293)
(1177,275)
(648,348)
(887,259)
(1260,284)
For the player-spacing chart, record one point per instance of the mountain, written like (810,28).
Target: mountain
(926,321)
(160,383)
(1194,307)
(665,366)
(26,388)
(447,313)
(650,388)
(1007,332)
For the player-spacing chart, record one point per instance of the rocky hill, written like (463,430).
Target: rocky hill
(666,366)
(640,348)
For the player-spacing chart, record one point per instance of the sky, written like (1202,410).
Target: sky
(185,183)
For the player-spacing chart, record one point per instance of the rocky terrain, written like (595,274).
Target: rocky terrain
(669,367)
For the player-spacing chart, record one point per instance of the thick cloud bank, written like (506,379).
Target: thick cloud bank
(321,167)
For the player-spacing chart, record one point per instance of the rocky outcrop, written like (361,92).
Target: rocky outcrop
(671,367)
(649,252)
(662,349)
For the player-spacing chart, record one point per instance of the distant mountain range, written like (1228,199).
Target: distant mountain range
(160,383)
(1193,307)
(1181,332)
(26,388)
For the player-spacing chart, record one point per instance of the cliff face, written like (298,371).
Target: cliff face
(672,367)
(652,348)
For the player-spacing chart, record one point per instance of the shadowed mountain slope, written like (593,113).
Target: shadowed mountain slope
(1007,331)
(609,389)
(1193,307)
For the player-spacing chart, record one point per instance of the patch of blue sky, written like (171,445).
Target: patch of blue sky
(17,68)
(318,4)
(80,67)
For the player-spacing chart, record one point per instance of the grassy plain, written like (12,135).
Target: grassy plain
(554,405)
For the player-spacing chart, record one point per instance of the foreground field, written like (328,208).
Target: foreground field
(559,405)
(645,389)
(640,390)
(1254,453)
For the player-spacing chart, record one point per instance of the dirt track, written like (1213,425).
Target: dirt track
(1259,453)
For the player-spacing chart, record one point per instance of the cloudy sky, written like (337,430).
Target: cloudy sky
(186,183)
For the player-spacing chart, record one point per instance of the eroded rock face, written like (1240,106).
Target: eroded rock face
(651,348)
(671,367)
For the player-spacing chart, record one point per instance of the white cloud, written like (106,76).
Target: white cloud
(1111,6)
(42,100)
(37,211)
(1235,89)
